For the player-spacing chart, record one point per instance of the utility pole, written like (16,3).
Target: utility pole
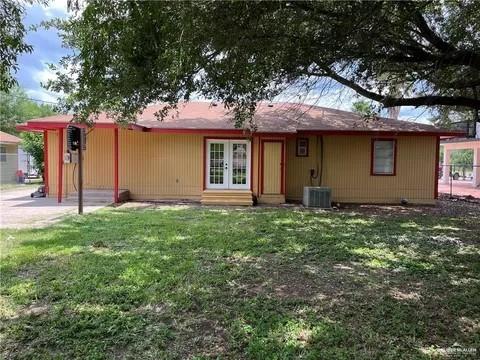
(80,171)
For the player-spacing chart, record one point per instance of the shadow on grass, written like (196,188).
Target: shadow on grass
(256,284)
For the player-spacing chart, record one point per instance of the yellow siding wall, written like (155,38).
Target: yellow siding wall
(155,166)
(99,159)
(52,162)
(160,166)
(298,168)
(347,170)
(151,165)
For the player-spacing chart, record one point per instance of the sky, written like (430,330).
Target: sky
(47,48)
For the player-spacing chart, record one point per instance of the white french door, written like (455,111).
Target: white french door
(228,164)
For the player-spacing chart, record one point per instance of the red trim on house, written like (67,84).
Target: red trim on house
(296,146)
(26,128)
(282,164)
(42,125)
(45,160)
(115,167)
(437,168)
(261,168)
(251,165)
(259,164)
(380,133)
(204,171)
(372,151)
(198,131)
(282,169)
(60,166)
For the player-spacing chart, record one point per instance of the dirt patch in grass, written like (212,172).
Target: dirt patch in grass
(444,207)
(201,337)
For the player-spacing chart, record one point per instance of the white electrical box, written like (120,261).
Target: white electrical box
(70,157)
(74,157)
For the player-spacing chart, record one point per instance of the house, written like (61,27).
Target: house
(464,143)
(196,153)
(26,163)
(8,157)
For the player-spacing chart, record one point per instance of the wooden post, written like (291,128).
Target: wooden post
(80,172)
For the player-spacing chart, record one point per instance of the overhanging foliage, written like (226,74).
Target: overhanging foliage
(130,54)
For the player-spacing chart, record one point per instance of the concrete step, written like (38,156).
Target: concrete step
(227,197)
(100,195)
(227,202)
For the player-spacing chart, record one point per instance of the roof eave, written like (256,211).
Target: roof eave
(51,125)
(44,125)
(381,133)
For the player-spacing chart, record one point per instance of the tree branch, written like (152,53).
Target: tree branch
(430,35)
(389,101)
(450,53)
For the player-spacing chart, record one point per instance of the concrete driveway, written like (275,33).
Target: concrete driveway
(460,188)
(19,210)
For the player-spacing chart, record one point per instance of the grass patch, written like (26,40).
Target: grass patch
(35,183)
(182,282)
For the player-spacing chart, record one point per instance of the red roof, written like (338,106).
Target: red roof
(285,118)
(9,139)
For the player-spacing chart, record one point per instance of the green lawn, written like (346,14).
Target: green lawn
(181,282)
(35,183)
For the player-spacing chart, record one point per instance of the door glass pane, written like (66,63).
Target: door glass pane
(239,166)
(217,157)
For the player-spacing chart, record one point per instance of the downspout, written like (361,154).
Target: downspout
(320,171)
(317,173)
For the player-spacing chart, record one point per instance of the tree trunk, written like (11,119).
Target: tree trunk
(393,112)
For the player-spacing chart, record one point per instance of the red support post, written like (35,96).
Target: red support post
(45,160)
(436,172)
(60,165)
(115,176)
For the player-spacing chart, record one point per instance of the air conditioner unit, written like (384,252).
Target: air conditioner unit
(317,196)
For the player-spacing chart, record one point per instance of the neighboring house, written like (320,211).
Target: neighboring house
(197,153)
(8,157)
(26,163)
(472,143)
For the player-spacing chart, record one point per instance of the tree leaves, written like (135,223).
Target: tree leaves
(12,33)
(130,54)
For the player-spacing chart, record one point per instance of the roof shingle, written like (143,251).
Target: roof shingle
(8,138)
(269,118)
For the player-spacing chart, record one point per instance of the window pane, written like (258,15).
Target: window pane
(239,166)
(216,163)
(302,147)
(384,156)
